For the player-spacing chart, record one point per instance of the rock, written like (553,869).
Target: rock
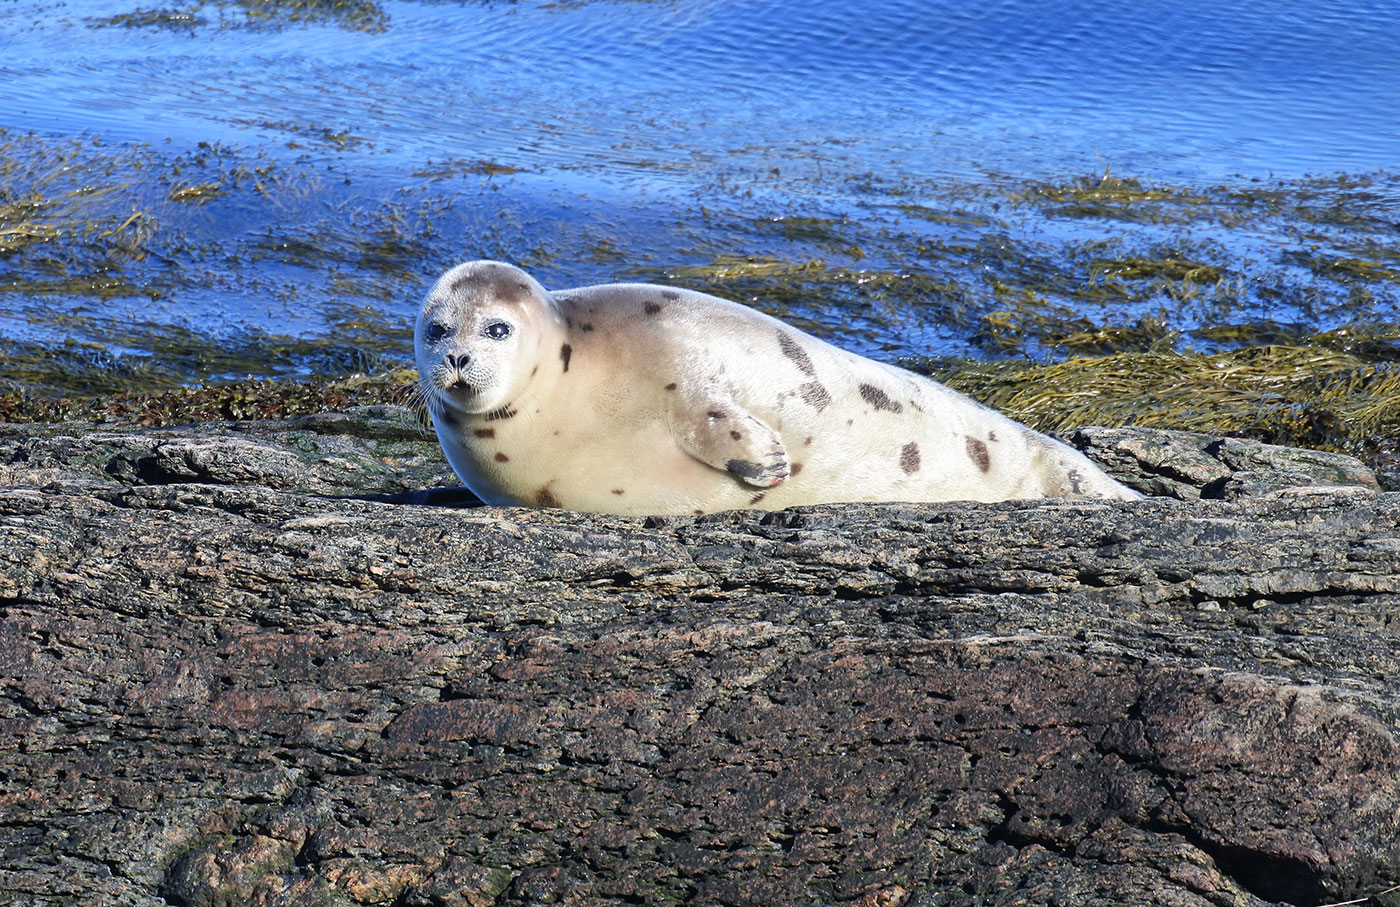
(242,674)
(379,449)
(1189,466)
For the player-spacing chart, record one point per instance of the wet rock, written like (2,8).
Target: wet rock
(263,684)
(1188,465)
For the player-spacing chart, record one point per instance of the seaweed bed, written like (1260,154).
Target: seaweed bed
(1268,312)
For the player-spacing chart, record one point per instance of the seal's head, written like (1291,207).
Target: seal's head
(479,336)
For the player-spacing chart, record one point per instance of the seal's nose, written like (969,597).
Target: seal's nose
(457,362)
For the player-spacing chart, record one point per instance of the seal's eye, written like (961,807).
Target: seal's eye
(435,332)
(497,330)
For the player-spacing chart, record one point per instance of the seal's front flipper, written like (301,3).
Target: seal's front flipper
(728,438)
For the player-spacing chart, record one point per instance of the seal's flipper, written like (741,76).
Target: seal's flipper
(724,436)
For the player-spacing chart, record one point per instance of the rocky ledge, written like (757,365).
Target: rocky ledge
(265,664)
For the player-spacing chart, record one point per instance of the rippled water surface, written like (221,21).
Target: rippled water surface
(1199,89)
(616,140)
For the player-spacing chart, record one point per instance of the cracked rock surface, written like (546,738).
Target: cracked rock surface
(251,665)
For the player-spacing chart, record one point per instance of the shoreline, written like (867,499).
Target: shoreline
(1321,396)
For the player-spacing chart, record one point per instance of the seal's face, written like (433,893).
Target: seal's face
(478,337)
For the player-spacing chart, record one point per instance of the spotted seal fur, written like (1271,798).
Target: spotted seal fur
(641,399)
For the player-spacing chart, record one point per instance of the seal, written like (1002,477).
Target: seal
(642,399)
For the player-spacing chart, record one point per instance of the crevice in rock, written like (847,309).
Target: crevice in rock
(148,470)
(449,498)
(1269,877)
(1249,601)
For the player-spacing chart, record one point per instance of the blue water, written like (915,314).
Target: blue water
(641,115)
(1198,89)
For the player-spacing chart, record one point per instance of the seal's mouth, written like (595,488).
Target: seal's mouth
(443,393)
(459,383)
(459,395)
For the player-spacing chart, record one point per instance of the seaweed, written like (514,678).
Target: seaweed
(817,295)
(1107,196)
(1344,269)
(251,399)
(1329,392)
(353,15)
(457,167)
(1105,299)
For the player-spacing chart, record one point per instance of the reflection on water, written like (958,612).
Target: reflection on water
(590,140)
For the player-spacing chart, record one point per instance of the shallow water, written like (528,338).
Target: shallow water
(622,140)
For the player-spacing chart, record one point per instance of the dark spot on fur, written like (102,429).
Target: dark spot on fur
(1075,480)
(450,418)
(717,414)
(505,412)
(796,468)
(670,294)
(794,351)
(502,458)
(588,326)
(617,491)
(758,497)
(744,469)
(565,352)
(545,498)
(698,512)
(808,442)
(979,454)
(671,386)
(484,432)
(909,459)
(991,436)
(534,371)
(652,308)
(568,322)
(815,395)
(737,436)
(461,284)
(879,399)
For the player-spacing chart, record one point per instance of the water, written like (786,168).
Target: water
(1186,89)
(605,140)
